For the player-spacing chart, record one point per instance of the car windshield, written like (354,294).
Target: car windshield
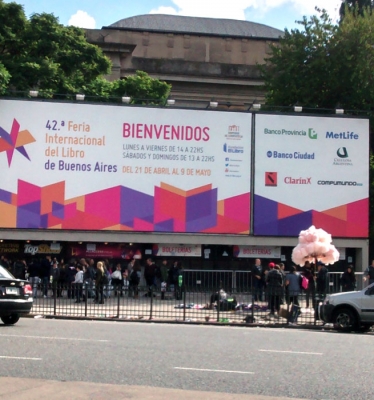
(5,274)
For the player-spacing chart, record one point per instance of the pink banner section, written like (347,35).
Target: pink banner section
(120,208)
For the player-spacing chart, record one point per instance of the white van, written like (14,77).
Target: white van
(349,311)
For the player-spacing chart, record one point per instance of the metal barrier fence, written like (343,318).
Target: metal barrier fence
(198,300)
(242,280)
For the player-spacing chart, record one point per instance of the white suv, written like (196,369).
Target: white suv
(349,311)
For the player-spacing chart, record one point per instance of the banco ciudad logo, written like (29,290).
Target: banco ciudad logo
(15,140)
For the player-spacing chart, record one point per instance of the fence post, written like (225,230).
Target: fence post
(118,302)
(218,306)
(184,301)
(85,299)
(54,291)
(151,310)
(253,302)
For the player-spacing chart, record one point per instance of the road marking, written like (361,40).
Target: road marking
(21,358)
(214,370)
(55,338)
(292,352)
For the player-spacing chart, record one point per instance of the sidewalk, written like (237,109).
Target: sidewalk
(30,389)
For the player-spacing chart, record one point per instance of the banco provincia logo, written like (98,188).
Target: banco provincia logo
(311,133)
(15,140)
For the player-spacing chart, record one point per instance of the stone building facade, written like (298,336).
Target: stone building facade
(203,58)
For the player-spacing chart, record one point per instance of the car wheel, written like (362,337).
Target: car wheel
(10,319)
(344,319)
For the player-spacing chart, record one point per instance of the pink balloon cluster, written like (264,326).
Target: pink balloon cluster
(314,244)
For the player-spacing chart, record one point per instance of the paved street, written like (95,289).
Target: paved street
(97,360)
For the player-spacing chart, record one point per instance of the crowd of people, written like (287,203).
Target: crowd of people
(96,279)
(274,285)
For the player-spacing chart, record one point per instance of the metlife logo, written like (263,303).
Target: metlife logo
(342,135)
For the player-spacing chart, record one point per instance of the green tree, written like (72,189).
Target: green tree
(323,64)
(57,60)
(4,79)
(142,89)
(40,52)
(355,5)
(300,67)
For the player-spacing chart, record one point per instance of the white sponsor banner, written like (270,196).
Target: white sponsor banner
(311,163)
(257,251)
(179,250)
(93,147)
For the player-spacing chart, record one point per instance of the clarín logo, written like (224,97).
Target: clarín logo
(342,152)
(288,180)
(271,179)
(15,140)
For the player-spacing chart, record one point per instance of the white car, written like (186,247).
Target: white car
(349,311)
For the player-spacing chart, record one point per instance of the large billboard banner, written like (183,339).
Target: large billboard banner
(311,171)
(122,168)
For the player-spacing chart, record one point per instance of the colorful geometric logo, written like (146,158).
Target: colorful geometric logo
(15,140)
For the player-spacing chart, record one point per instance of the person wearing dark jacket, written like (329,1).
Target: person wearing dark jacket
(33,270)
(134,279)
(348,280)
(311,291)
(321,280)
(19,269)
(274,288)
(45,268)
(258,280)
(54,276)
(150,274)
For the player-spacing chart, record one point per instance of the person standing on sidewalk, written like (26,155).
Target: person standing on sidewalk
(310,292)
(369,273)
(258,281)
(99,283)
(274,289)
(134,279)
(150,275)
(54,277)
(78,283)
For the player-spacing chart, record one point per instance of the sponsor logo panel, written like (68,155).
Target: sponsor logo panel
(296,155)
(310,133)
(233,133)
(342,158)
(271,179)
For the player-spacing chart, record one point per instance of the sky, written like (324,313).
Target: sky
(92,14)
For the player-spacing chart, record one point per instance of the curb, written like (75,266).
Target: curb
(180,322)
